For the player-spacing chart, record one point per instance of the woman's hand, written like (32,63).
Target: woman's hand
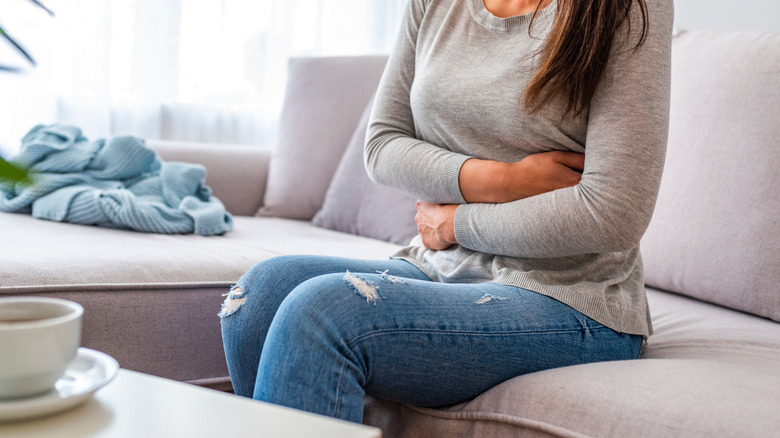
(436,224)
(496,182)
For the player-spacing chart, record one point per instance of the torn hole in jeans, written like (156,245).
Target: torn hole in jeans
(488,298)
(364,288)
(384,276)
(235,299)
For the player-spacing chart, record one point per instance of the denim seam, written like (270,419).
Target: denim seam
(338,389)
(453,332)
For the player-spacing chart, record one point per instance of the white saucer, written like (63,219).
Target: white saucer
(89,371)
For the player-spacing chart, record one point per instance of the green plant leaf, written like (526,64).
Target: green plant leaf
(15,44)
(13,173)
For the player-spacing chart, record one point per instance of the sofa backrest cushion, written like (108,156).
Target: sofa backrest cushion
(715,233)
(355,204)
(323,102)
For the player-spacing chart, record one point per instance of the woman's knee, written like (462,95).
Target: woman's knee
(330,300)
(274,270)
(267,283)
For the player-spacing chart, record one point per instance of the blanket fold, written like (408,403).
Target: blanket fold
(116,182)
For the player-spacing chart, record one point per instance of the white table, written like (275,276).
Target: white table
(141,406)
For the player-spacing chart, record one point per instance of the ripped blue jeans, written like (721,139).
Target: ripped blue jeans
(317,333)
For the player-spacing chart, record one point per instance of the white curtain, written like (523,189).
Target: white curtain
(191,70)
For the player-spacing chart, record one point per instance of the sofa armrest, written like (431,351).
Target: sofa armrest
(236,174)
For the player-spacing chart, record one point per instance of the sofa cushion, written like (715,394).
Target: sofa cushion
(68,257)
(714,234)
(706,372)
(322,105)
(354,204)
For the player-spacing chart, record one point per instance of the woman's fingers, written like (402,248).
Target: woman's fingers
(571,160)
(435,223)
(545,172)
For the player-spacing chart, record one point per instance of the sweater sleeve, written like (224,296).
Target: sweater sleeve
(625,149)
(393,156)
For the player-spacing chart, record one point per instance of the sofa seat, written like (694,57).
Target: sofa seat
(133,260)
(707,371)
(133,285)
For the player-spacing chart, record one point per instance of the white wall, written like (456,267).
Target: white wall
(727,14)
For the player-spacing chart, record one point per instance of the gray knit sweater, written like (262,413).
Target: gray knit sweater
(453,89)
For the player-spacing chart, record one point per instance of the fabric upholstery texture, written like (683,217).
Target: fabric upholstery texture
(168,330)
(697,377)
(714,234)
(354,204)
(151,260)
(322,105)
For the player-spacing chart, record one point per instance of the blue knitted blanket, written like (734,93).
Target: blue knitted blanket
(116,182)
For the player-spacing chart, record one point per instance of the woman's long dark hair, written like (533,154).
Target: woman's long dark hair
(575,55)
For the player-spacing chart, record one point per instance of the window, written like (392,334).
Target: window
(206,70)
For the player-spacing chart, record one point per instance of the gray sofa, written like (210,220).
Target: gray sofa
(712,258)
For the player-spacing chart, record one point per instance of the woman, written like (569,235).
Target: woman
(533,134)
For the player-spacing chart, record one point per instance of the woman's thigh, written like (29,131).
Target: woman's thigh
(251,305)
(432,344)
(271,280)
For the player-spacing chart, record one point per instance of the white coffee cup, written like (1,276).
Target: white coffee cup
(39,337)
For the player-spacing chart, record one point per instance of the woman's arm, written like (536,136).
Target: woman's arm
(625,147)
(485,181)
(496,182)
(393,156)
